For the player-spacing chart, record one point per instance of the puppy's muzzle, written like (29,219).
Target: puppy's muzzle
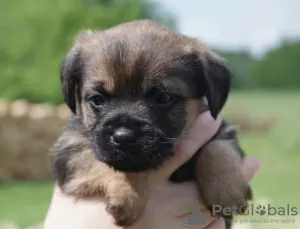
(124,131)
(130,142)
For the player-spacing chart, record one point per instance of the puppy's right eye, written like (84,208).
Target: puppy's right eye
(97,100)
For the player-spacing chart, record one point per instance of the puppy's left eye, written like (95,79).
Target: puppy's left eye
(97,100)
(163,98)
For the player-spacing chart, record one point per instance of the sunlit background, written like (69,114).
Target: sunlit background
(259,38)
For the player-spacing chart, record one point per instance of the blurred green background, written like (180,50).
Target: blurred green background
(265,100)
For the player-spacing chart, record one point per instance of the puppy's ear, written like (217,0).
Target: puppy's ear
(214,76)
(217,78)
(71,72)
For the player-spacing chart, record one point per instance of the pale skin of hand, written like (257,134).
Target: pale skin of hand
(169,204)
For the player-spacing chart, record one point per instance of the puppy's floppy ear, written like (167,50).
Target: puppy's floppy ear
(217,77)
(71,72)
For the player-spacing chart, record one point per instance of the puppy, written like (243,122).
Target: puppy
(134,90)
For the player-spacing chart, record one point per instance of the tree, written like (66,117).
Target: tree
(37,34)
(280,67)
(241,64)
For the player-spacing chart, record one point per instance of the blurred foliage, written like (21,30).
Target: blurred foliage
(241,65)
(278,69)
(37,33)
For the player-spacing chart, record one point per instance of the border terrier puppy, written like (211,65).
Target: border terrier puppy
(134,90)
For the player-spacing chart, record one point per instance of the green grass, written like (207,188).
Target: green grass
(24,203)
(279,152)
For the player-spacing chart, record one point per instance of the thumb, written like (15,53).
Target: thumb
(250,166)
(198,134)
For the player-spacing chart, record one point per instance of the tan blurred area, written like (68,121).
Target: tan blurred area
(27,132)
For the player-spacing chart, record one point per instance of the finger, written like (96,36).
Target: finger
(204,129)
(250,166)
(176,205)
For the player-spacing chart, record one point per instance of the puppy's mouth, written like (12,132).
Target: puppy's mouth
(124,150)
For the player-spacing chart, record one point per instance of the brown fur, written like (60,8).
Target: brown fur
(218,168)
(125,193)
(193,109)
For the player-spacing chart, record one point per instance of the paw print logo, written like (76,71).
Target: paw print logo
(261,210)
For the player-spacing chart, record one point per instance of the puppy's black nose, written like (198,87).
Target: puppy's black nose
(124,135)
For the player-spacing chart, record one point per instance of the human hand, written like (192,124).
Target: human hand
(169,205)
(172,205)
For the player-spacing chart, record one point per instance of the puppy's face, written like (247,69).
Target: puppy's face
(137,87)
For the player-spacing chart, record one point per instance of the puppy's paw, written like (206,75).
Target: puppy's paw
(125,210)
(230,198)
(126,197)
(222,184)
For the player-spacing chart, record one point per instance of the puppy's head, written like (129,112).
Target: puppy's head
(137,87)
